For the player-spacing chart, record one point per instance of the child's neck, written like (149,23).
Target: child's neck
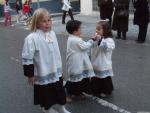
(76,35)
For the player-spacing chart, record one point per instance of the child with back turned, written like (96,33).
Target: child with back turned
(101,53)
(42,63)
(79,67)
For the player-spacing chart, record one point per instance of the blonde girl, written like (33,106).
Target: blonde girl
(42,63)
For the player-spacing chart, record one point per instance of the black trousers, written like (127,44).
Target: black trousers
(142,32)
(64,15)
(105,17)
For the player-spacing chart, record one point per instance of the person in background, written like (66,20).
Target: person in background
(106,9)
(18,10)
(66,8)
(26,9)
(101,53)
(27,12)
(141,18)
(31,9)
(1,8)
(121,18)
(7,13)
(42,64)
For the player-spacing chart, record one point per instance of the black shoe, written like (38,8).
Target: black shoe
(139,41)
(124,38)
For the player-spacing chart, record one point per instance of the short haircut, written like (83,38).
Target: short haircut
(106,28)
(37,17)
(73,25)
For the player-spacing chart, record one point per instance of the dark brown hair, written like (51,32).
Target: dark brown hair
(106,28)
(73,25)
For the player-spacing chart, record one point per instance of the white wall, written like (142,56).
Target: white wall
(86,7)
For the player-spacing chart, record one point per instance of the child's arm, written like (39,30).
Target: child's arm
(107,44)
(85,45)
(27,60)
(10,9)
(29,72)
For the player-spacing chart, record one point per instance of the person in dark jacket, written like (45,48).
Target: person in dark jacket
(141,18)
(19,10)
(105,9)
(121,18)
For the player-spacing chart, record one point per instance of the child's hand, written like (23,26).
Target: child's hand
(31,80)
(98,37)
(94,38)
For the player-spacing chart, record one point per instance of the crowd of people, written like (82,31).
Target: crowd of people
(119,11)
(24,12)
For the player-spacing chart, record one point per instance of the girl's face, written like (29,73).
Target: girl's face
(45,23)
(99,30)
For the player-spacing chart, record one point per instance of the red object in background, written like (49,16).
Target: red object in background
(26,9)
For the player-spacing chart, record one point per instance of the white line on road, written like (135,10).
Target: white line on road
(107,104)
(143,112)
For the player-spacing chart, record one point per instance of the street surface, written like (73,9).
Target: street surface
(131,65)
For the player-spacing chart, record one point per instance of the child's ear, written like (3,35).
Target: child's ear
(74,32)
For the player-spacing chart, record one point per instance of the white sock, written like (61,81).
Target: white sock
(62,109)
(17,21)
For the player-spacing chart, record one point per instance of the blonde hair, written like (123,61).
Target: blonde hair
(37,17)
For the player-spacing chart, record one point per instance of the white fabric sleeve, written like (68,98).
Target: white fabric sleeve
(107,44)
(28,51)
(85,45)
(67,3)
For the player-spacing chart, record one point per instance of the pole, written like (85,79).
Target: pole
(38,3)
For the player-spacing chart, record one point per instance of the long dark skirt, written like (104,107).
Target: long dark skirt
(120,23)
(101,85)
(50,94)
(77,88)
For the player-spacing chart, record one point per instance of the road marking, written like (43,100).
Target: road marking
(107,104)
(143,112)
